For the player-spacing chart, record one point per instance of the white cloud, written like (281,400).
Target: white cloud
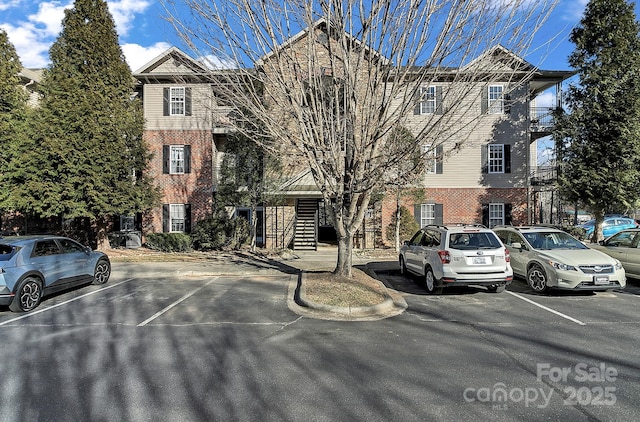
(33,36)
(48,19)
(124,12)
(29,44)
(137,55)
(4,5)
(546,99)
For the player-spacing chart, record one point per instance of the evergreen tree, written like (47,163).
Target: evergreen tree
(12,110)
(88,158)
(598,140)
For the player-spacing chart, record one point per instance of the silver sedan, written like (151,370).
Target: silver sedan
(625,247)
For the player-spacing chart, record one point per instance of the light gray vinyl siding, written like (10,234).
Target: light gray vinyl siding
(473,131)
(201,108)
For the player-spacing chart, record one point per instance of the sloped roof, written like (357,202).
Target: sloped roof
(34,75)
(182,61)
(322,22)
(302,184)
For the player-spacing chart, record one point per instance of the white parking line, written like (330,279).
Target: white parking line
(39,311)
(545,308)
(183,298)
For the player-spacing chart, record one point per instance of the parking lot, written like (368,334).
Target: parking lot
(205,347)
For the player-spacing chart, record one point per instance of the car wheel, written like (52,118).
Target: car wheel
(537,279)
(430,282)
(403,266)
(28,295)
(102,272)
(497,288)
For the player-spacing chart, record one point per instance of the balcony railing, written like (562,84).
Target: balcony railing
(542,119)
(543,175)
(221,117)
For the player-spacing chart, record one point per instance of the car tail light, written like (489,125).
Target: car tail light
(445,258)
(507,255)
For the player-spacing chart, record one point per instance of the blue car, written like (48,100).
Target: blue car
(32,267)
(611,225)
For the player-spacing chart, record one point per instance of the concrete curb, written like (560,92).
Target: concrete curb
(393,305)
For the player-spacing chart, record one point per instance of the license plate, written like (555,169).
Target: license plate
(601,279)
(478,260)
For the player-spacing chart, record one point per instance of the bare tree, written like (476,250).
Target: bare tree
(331,79)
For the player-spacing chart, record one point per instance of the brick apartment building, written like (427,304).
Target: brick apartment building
(488,180)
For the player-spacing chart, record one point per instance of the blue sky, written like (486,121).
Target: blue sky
(33,26)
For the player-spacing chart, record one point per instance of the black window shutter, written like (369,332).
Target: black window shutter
(438,211)
(484,100)
(187,218)
(417,213)
(138,221)
(116,223)
(484,161)
(439,151)
(439,105)
(187,158)
(507,214)
(485,214)
(417,97)
(187,101)
(165,101)
(166,153)
(507,102)
(507,158)
(165,218)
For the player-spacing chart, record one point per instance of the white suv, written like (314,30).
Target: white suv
(457,256)
(547,257)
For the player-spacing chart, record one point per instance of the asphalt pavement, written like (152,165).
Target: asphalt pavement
(291,262)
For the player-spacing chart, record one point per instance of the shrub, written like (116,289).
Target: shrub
(169,242)
(219,231)
(408,226)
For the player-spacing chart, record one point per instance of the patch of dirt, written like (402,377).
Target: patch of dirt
(329,289)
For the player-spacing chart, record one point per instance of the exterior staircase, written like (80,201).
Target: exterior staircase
(306,236)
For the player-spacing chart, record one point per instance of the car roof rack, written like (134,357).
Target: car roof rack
(452,225)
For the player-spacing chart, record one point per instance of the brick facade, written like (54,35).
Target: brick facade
(194,188)
(462,205)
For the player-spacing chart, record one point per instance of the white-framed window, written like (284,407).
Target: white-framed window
(177,214)
(428,103)
(427,214)
(496,158)
(496,214)
(429,152)
(496,99)
(177,100)
(176,159)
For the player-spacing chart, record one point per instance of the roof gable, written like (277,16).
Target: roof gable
(499,59)
(172,62)
(325,27)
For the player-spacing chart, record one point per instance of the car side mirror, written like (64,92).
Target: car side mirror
(405,243)
(516,245)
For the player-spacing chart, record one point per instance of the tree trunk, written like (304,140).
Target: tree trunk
(597,235)
(397,231)
(254,226)
(102,240)
(345,253)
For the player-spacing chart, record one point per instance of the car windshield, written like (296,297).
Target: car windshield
(474,240)
(6,252)
(553,240)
